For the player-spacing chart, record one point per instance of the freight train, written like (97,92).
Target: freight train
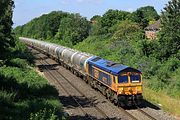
(119,83)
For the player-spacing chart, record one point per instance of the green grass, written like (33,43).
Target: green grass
(23,93)
(168,103)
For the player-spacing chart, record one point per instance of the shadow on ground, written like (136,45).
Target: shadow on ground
(145,104)
(149,104)
(91,118)
(48,67)
(18,99)
(69,102)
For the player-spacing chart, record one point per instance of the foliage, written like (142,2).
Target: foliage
(111,17)
(127,30)
(22,90)
(44,115)
(144,15)
(169,39)
(6,39)
(95,18)
(57,26)
(95,28)
(44,27)
(73,29)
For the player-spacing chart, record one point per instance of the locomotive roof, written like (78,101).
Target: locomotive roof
(109,66)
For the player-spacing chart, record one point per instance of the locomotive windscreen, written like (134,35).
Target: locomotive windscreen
(135,78)
(123,79)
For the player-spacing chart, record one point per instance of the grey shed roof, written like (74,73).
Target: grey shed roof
(155,26)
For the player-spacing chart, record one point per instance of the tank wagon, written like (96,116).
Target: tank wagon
(119,83)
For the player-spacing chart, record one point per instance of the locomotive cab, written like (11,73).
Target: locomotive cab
(121,83)
(129,88)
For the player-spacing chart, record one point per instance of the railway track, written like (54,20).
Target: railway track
(146,114)
(73,98)
(140,110)
(82,95)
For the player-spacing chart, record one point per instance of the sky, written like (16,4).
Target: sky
(26,10)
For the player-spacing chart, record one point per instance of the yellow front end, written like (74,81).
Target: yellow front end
(132,86)
(130,89)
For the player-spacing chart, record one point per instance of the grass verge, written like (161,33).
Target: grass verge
(26,95)
(168,103)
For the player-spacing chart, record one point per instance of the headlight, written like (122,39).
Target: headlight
(121,90)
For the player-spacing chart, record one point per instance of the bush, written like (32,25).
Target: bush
(165,72)
(25,92)
(17,62)
(44,115)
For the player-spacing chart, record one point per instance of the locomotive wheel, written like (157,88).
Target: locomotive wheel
(112,97)
(115,102)
(108,93)
(84,78)
(91,83)
(66,67)
(95,84)
(104,91)
(77,74)
(72,70)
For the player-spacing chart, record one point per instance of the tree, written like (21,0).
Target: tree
(144,15)
(95,25)
(112,17)
(6,39)
(43,27)
(170,31)
(73,29)
(127,30)
(95,18)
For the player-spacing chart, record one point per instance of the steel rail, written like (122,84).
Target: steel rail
(146,114)
(96,107)
(143,112)
(83,95)
(80,106)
